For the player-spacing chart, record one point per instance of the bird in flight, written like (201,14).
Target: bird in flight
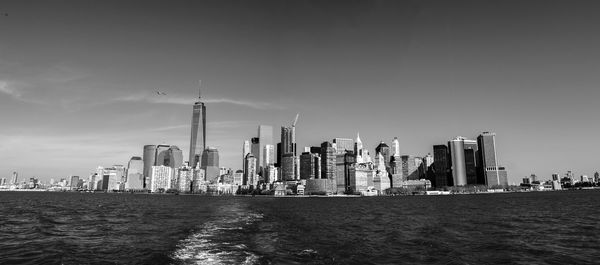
(160,93)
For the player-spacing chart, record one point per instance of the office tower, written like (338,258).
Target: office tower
(198,134)
(381,181)
(287,167)
(268,155)
(328,165)
(270,174)
(596,177)
(175,157)
(470,150)
(15,178)
(210,164)
(309,166)
(135,174)
(384,149)
(162,157)
(556,176)
(457,154)
(246,149)
(343,144)
(185,176)
(410,167)
(74,182)
(395,147)
(255,150)
(441,166)
(149,161)
(265,137)
(161,178)
(3,182)
(491,171)
(250,177)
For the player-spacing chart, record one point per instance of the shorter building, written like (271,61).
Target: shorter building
(161,178)
(319,187)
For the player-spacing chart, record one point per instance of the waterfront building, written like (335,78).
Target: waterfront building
(381,181)
(596,177)
(210,164)
(359,181)
(457,154)
(585,178)
(161,178)
(265,137)
(270,174)
(3,182)
(251,177)
(470,150)
(555,176)
(198,133)
(342,145)
(384,149)
(15,178)
(344,170)
(149,161)
(199,180)
(135,174)
(492,173)
(441,166)
(328,165)
(185,176)
(238,178)
(74,183)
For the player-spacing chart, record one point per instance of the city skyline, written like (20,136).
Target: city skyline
(78,93)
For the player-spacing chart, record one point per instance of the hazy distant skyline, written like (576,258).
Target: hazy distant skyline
(77,78)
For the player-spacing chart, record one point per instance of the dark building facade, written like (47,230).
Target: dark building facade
(384,149)
(441,166)
(328,164)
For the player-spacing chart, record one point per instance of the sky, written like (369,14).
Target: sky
(78,78)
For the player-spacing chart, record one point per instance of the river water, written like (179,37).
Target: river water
(517,228)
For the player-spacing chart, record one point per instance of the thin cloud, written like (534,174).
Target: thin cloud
(168,99)
(10,89)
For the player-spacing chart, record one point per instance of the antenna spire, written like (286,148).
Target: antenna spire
(199,89)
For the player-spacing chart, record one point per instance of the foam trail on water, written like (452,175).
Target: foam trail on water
(218,241)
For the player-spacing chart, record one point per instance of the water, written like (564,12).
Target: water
(518,228)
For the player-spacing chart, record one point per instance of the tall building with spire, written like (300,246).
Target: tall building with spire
(198,134)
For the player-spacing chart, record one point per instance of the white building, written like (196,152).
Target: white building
(161,178)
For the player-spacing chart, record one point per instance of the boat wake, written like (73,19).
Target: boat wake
(220,241)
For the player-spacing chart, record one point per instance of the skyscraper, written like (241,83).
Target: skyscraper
(470,150)
(457,153)
(198,134)
(384,149)
(210,164)
(265,137)
(310,166)
(250,174)
(492,172)
(15,178)
(328,165)
(343,144)
(135,174)
(395,147)
(441,166)
(149,161)
(269,155)
(255,150)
